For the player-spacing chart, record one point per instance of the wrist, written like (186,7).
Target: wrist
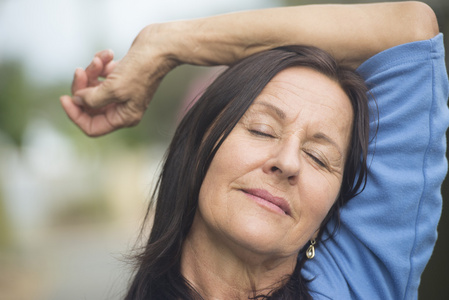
(155,47)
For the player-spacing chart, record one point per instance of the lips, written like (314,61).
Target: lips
(264,195)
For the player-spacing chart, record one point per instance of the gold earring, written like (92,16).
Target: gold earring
(310,253)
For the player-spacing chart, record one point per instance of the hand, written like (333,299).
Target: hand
(120,100)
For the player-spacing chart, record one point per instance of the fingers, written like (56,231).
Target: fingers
(108,68)
(95,97)
(96,123)
(88,77)
(92,125)
(93,71)
(99,107)
(92,107)
(105,55)
(101,66)
(79,80)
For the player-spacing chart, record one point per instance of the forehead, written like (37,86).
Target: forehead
(303,96)
(304,88)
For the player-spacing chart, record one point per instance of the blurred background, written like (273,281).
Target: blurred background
(71,206)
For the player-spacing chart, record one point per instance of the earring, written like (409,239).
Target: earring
(310,253)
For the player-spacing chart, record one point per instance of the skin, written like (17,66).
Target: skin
(351,33)
(239,241)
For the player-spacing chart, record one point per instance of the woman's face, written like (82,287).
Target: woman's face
(279,171)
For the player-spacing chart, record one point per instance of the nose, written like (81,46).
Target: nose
(285,160)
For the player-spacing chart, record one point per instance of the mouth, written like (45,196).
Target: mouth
(266,199)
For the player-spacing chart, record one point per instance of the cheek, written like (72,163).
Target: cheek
(236,156)
(319,192)
(226,167)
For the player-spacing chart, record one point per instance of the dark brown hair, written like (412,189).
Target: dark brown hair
(197,139)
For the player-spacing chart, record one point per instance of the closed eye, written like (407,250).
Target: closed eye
(317,160)
(260,133)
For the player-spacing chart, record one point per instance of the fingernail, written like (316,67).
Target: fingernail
(91,65)
(105,54)
(78,100)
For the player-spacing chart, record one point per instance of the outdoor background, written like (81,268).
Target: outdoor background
(71,206)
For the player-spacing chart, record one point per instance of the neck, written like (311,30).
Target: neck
(219,270)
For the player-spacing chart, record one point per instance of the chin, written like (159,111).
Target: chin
(261,238)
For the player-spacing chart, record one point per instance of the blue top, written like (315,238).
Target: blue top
(388,232)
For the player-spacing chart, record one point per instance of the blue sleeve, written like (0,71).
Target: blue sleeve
(388,232)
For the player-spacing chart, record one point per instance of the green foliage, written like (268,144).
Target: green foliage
(5,230)
(14,104)
(21,101)
(84,211)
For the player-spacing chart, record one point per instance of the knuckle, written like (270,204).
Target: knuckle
(133,119)
(90,134)
(129,117)
(115,91)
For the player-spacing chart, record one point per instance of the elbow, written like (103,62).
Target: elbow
(422,20)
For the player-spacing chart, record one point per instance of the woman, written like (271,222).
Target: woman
(387,233)
(259,170)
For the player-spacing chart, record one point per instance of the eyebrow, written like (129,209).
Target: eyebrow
(280,113)
(318,136)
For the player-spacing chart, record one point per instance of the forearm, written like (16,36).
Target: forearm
(352,33)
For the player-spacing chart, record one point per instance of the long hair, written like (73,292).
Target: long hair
(198,137)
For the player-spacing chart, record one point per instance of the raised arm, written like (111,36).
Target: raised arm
(352,33)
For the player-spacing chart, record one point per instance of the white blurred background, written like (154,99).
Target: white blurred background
(71,206)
